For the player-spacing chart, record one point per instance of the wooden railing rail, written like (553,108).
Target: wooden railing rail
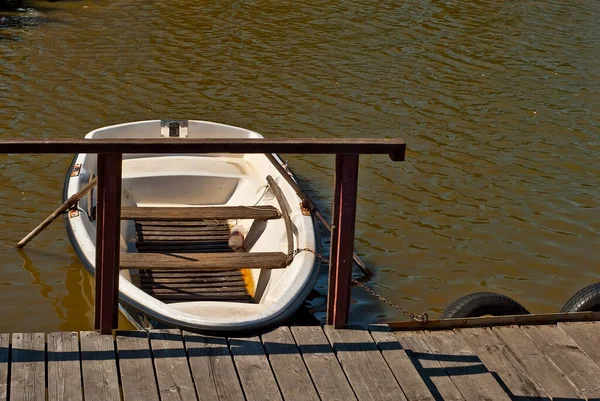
(110,154)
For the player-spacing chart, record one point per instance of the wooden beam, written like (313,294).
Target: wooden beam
(342,239)
(395,148)
(448,324)
(204,261)
(107,242)
(263,212)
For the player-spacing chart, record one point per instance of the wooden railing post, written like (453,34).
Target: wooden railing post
(108,234)
(342,239)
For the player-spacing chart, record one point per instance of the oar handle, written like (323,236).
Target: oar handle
(65,206)
(313,208)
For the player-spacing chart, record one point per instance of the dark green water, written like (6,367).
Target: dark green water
(499,103)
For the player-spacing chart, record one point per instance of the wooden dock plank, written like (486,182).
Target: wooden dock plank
(367,371)
(586,335)
(288,366)
(537,366)
(498,359)
(204,261)
(466,370)
(399,361)
(254,370)
(171,365)
(136,367)
(64,369)
(99,367)
(28,367)
(433,374)
(566,355)
(212,368)
(4,358)
(324,368)
(261,212)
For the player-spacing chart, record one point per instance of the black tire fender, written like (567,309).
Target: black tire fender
(483,303)
(585,300)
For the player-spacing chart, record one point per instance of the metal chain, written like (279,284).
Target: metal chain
(422,318)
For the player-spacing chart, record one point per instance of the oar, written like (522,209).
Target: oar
(313,208)
(65,206)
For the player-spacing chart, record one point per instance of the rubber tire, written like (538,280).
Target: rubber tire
(586,300)
(483,303)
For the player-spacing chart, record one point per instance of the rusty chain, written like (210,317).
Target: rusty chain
(422,318)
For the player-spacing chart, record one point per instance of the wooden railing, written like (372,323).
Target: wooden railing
(110,155)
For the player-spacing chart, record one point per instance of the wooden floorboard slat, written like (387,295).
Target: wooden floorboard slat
(136,367)
(497,358)
(99,367)
(28,367)
(287,364)
(433,374)
(212,368)
(64,368)
(566,355)
(357,353)
(586,335)
(171,365)
(254,370)
(262,212)
(399,361)
(462,365)
(536,364)
(4,358)
(325,370)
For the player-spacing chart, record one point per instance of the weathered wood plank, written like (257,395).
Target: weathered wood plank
(254,370)
(183,225)
(466,370)
(537,366)
(191,248)
(157,239)
(566,355)
(400,364)
(212,367)
(208,286)
(586,335)
(64,372)
(170,361)
(367,371)
(28,367)
(4,354)
(324,368)
(136,367)
(99,367)
(498,359)
(394,147)
(197,290)
(433,374)
(488,321)
(211,276)
(226,261)
(216,291)
(200,297)
(288,366)
(261,212)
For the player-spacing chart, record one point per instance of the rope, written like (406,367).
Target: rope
(422,318)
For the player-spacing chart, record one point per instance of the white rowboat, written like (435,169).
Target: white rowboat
(178,211)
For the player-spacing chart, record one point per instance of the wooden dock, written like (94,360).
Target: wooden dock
(544,362)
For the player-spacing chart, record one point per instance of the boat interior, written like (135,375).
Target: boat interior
(179,213)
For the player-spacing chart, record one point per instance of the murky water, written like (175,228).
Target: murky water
(499,103)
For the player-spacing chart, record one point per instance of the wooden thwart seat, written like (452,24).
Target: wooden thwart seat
(263,212)
(204,261)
